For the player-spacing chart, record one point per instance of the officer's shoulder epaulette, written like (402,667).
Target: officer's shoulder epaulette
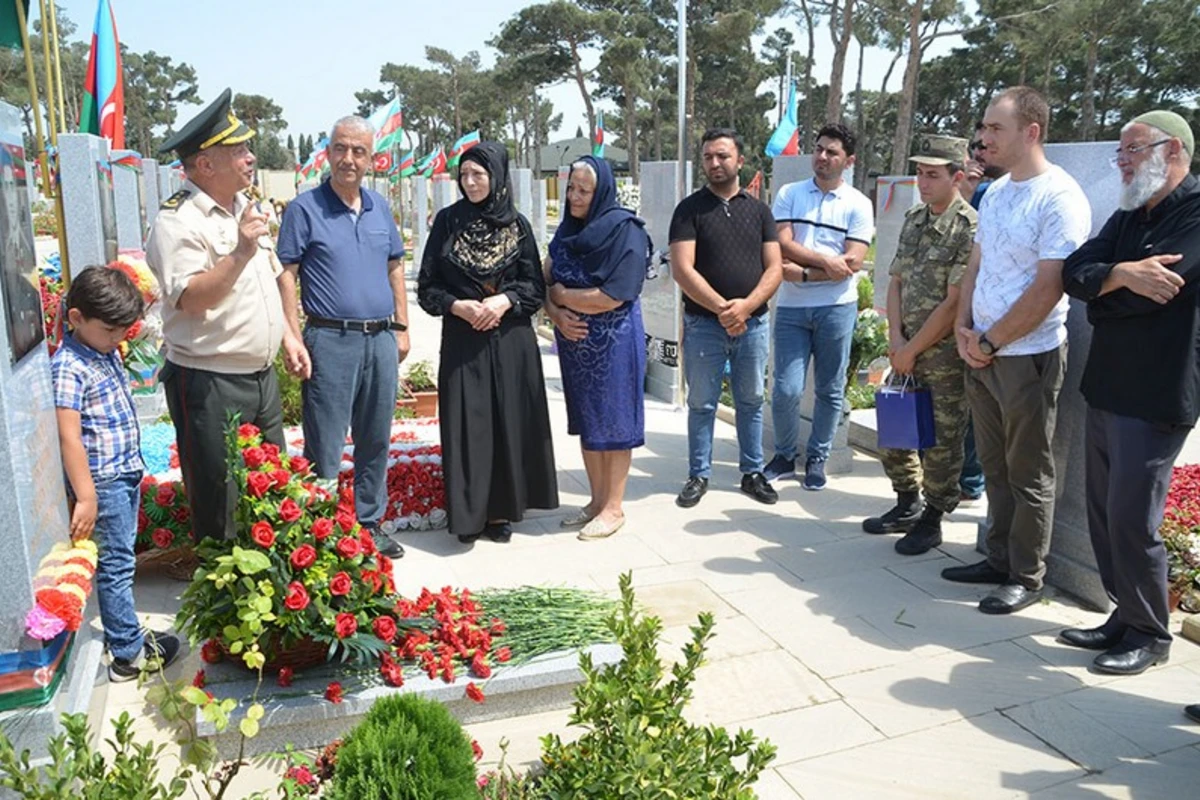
(968,211)
(917,209)
(172,202)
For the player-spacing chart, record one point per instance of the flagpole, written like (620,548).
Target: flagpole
(681,178)
(50,103)
(62,110)
(34,101)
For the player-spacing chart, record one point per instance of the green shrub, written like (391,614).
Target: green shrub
(289,393)
(638,744)
(860,396)
(419,377)
(866,293)
(407,748)
(870,341)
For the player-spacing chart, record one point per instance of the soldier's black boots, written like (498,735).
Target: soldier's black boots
(925,535)
(900,519)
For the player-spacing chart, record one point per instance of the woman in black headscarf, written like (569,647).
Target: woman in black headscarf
(480,273)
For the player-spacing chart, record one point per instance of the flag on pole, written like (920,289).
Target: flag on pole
(130,159)
(785,141)
(103,85)
(10,30)
(432,164)
(383,162)
(464,144)
(754,188)
(407,165)
(388,122)
(598,138)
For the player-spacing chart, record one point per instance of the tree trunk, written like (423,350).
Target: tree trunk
(807,133)
(537,134)
(581,81)
(864,159)
(658,139)
(833,104)
(908,95)
(1087,113)
(631,145)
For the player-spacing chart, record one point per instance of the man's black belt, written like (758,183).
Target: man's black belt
(356,325)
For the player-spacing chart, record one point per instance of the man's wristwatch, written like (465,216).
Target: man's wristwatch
(397,326)
(986,347)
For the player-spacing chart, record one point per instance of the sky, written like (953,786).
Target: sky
(311,57)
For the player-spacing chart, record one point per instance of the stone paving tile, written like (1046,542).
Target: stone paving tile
(733,637)
(1077,662)
(722,575)
(771,786)
(523,735)
(679,603)
(814,731)
(982,758)
(921,694)
(737,689)
(1172,775)
(1081,738)
(841,557)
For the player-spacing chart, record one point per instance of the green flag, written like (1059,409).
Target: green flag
(10,30)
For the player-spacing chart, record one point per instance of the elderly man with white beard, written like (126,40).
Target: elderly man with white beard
(1140,279)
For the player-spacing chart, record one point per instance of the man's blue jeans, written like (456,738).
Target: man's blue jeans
(117,502)
(353,387)
(706,350)
(821,335)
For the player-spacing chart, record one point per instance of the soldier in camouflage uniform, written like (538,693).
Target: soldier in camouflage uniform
(935,243)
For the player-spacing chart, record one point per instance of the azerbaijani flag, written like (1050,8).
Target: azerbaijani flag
(598,137)
(464,144)
(785,141)
(388,122)
(432,164)
(131,159)
(10,31)
(103,85)
(407,165)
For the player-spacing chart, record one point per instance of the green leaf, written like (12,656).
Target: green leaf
(249,728)
(255,711)
(195,696)
(250,562)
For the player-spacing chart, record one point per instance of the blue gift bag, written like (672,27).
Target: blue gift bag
(904,417)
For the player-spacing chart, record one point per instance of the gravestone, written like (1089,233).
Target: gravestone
(537,217)
(151,199)
(127,199)
(895,195)
(522,187)
(789,169)
(564,173)
(89,213)
(420,218)
(661,300)
(164,182)
(33,506)
(444,192)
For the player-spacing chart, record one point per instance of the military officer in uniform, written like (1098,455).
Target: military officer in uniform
(223,321)
(922,301)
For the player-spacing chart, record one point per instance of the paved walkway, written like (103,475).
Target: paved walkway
(874,677)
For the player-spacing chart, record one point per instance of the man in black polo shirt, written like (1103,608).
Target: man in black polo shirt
(725,257)
(1140,278)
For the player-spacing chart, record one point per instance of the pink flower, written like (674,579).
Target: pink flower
(41,624)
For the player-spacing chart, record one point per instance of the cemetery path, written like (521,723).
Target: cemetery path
(874,677)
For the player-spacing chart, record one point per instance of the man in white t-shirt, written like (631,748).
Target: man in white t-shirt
(825,228)
(1013,336)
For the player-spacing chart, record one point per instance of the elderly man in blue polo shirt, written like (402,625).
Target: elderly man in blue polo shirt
(343,243)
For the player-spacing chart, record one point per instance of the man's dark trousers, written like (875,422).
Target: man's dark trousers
(353,387)
(201,404)
(1128,464)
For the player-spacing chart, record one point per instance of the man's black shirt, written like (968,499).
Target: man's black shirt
(1145,356)
(729,237)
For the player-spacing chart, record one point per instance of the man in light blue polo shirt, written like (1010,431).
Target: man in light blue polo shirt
(343,243)
(825,227)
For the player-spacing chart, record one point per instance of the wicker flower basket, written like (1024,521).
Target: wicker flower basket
(302,654)
(178,563)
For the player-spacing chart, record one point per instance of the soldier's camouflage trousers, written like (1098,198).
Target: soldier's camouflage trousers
(936,470)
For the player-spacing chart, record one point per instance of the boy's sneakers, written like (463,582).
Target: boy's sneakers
(780,467)
(814,474)
(159,651)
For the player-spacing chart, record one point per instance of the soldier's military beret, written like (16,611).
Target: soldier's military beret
(213,126)
(937,150)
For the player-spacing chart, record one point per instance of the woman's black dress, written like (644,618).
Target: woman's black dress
(497,453)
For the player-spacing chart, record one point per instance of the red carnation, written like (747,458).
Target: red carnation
(304,556)
(297,596)
(289,511)
(385,628)
(165,495)
(340,584)
(254,457)
(476,749)
(280,478)
(480,668)
(321,528)
(345,625)
(248,431)
(503,654)
(162,538)
(333,692)
(474,692)
(284,678)
(262,534)
(301,465)
(211,652)
(258,483)
(393,675)
(200,679)
(348,547)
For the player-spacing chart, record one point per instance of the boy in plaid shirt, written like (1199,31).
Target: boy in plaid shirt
(101,452)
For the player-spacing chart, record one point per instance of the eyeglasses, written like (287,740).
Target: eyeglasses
(1127,153)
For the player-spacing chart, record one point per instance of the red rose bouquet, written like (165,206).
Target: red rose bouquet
(165,519)
(300,569)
